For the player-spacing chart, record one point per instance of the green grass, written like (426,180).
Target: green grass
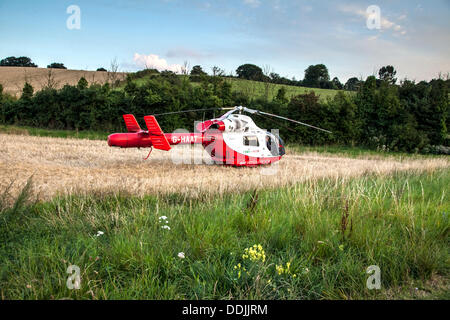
(256,89)
(32,131)
(358,152)
(329,230)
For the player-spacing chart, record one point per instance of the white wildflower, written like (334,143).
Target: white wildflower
(99,233)
(181,255)
(166,227)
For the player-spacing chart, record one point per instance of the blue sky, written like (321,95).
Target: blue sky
(286,35)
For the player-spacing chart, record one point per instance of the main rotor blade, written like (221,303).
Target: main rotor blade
(277,122)
(284,118)
(184,111)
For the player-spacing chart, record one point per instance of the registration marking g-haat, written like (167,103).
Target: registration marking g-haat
(184,139)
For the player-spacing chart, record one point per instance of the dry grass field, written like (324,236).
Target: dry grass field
(67,166)
(14,78)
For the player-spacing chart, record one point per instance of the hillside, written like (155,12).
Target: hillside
(256,89)
(14,78)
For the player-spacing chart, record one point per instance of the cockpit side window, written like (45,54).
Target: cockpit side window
(251,141)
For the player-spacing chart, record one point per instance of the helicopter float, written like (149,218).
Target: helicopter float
(232,139)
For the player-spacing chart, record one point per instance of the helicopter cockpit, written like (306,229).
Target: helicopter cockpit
(275,144)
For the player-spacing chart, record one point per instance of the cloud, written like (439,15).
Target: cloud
(385,23)
(252,3)
(153,61)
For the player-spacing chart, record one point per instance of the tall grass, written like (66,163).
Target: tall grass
(66,166)
(318,238)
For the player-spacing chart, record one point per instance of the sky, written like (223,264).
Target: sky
(284,36)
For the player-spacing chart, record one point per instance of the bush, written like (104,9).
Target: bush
(17,62)
(56,65)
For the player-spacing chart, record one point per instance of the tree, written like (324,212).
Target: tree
(217,72)
(268,86)
(101,69)
(185,68)
(316,74)
(281,96)
(56,65)
(17,62)
(27,91)
(113,73)
(336,83)
(346,125)
(250,72)
(82,83)
(352,84)
(275,77)
(387,74)
(197,71)
(308,109)
(50,82)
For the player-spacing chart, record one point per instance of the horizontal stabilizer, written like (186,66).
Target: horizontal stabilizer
(159,140)
(131,123)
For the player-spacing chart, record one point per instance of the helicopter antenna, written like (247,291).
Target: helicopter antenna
(252,111)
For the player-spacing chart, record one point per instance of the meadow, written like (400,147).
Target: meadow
(158,230)
(313,240)
(258,89)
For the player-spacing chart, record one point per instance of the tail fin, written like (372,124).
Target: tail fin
(159,140)
(131,123)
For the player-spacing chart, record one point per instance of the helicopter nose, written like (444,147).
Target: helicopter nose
(117,140)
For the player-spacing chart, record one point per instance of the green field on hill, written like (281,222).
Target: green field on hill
(257,89)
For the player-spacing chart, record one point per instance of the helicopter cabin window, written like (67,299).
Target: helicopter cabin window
(251,141)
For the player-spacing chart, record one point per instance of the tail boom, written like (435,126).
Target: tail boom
(138,138)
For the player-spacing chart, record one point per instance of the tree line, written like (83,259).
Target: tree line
(411,117)
(27,62)
(316,76)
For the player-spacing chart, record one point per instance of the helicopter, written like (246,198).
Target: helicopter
(231,139)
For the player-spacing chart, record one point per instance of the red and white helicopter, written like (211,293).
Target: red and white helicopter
(232,139)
